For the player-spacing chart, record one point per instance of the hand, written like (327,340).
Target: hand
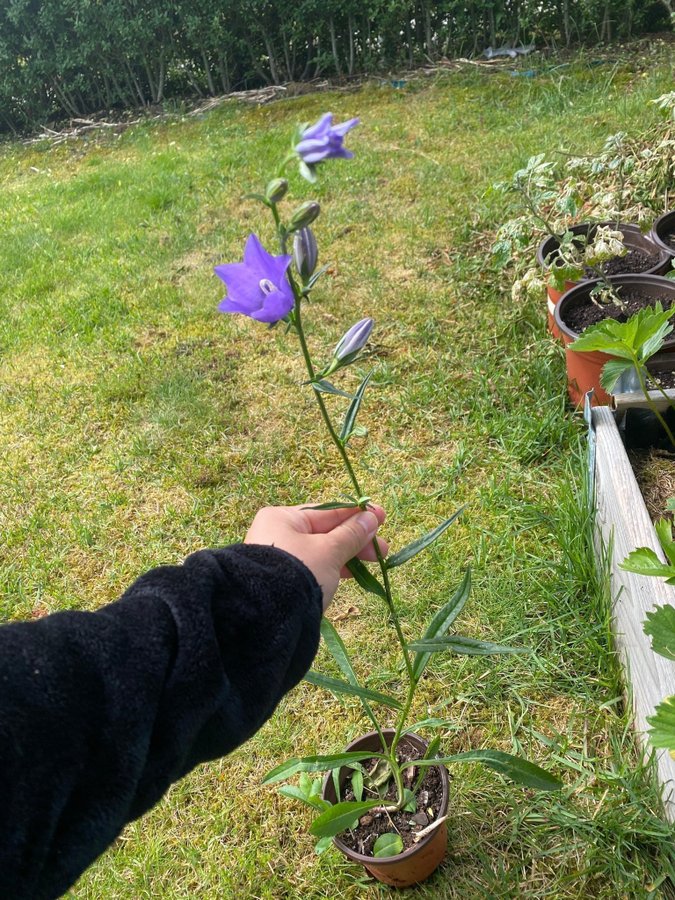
(324,540)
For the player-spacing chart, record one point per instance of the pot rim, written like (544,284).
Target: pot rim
(411,851)
(585,287)
(624,227)
(666,217)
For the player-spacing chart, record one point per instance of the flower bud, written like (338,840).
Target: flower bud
(276,190)
(304,215)
(305,252)
(353,341)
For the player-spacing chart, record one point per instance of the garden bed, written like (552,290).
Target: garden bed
(622,525)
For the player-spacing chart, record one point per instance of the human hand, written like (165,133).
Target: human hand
(324,540)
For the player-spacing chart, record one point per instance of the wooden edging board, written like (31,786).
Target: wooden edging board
(622,525)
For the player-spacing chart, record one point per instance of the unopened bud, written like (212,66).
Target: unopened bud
(276,190)
(304,215)
(305,252)
(353,341)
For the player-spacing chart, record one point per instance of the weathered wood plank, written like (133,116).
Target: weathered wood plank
(623,524)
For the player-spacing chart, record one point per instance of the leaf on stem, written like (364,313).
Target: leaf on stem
(317,764)
(644,561)
(295,793)
(442,621)
(662,734)
(519,770)
(365,579)
(357,784)
(352,411)
(422,543)
(335,686)
(465,646)
(612,371)
(340,817)
(337,504)
(325,387)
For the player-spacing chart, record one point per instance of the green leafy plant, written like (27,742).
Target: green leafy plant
(275,289)
(633,343)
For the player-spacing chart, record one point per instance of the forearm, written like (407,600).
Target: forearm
(101,712)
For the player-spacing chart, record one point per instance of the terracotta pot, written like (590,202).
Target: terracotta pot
(633,238)
(583,369)
(662,228)
(417,863)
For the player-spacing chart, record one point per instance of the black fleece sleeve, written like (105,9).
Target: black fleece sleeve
(100,712)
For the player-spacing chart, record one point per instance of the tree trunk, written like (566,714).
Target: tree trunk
(256,66)
(333,44)
(136,84)
(162,76)
(351,26)
(207,72)
(224,72)
(287,55)
(274,72)
(151,80)
(409,40)
(428,38)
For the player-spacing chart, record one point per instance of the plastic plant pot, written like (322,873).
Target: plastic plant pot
(663,232)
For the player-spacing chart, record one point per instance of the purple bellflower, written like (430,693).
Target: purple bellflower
(323,140)
(349,346)
(258,286)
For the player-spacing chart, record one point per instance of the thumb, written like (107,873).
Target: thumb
(351,536)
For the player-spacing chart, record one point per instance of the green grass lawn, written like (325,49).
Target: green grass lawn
(137,425)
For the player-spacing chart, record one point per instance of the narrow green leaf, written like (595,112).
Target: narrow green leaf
(337,649)
(294,793)
(388,844)
(325,387)
(315,277)
(519,770)
(317,764)
(352,411)
(322,844)
(365,579)
(337,504)
(660,626)
(340,817)
(422,543)
(307,173)
(644,561)
(443,620)
(357,784)
(335,686)
(662,734)
(427,723)
(259,197)
(465,646)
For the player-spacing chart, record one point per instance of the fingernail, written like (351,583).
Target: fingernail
(368,521)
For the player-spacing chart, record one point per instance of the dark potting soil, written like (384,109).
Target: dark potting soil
(655,474)
(662,379)
(633,263)
(583,315)
(407,824)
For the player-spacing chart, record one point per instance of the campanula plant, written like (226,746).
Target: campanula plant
(273,287)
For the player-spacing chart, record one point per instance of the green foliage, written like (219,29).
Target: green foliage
(388,844)
(415,547)
(341,816)
(317,764)
(442,620)
(660,626)
(352,690)
(662,733)
(513,767)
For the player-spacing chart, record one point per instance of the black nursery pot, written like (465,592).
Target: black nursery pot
(663,232)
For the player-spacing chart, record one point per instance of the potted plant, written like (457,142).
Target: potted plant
(592,302)
(663,232)
(384,777)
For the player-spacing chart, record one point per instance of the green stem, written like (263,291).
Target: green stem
(670,402)
(640,370)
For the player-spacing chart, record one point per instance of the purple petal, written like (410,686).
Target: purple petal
(344,127)
(276,305)
(319,128)
(255,255)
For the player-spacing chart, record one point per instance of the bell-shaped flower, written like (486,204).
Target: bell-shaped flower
(323,140)
(258,286)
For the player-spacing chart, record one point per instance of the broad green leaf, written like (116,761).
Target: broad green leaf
(518,770)
(335,686)
(652,327)
(409,801)
(662,734)
(660,626)
(463,645)
(340,817)
(644,561)
(337,504)
(664,530)
(443,620)
(365,579)
(325,387)
(357,784)
(612,371)
(388,844)
(317,764)
(353,410)
(295,793)
(379,777)
(422,543)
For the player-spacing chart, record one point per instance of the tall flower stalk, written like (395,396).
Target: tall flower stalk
(273,289)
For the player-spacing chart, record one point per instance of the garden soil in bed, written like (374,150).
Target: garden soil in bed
(407,824)
(655,474)
(582,316)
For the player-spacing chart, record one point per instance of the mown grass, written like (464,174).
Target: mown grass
(137,425)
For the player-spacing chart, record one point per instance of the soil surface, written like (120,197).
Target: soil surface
(633,263)
(587,313)
(655,474)
(407,824)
